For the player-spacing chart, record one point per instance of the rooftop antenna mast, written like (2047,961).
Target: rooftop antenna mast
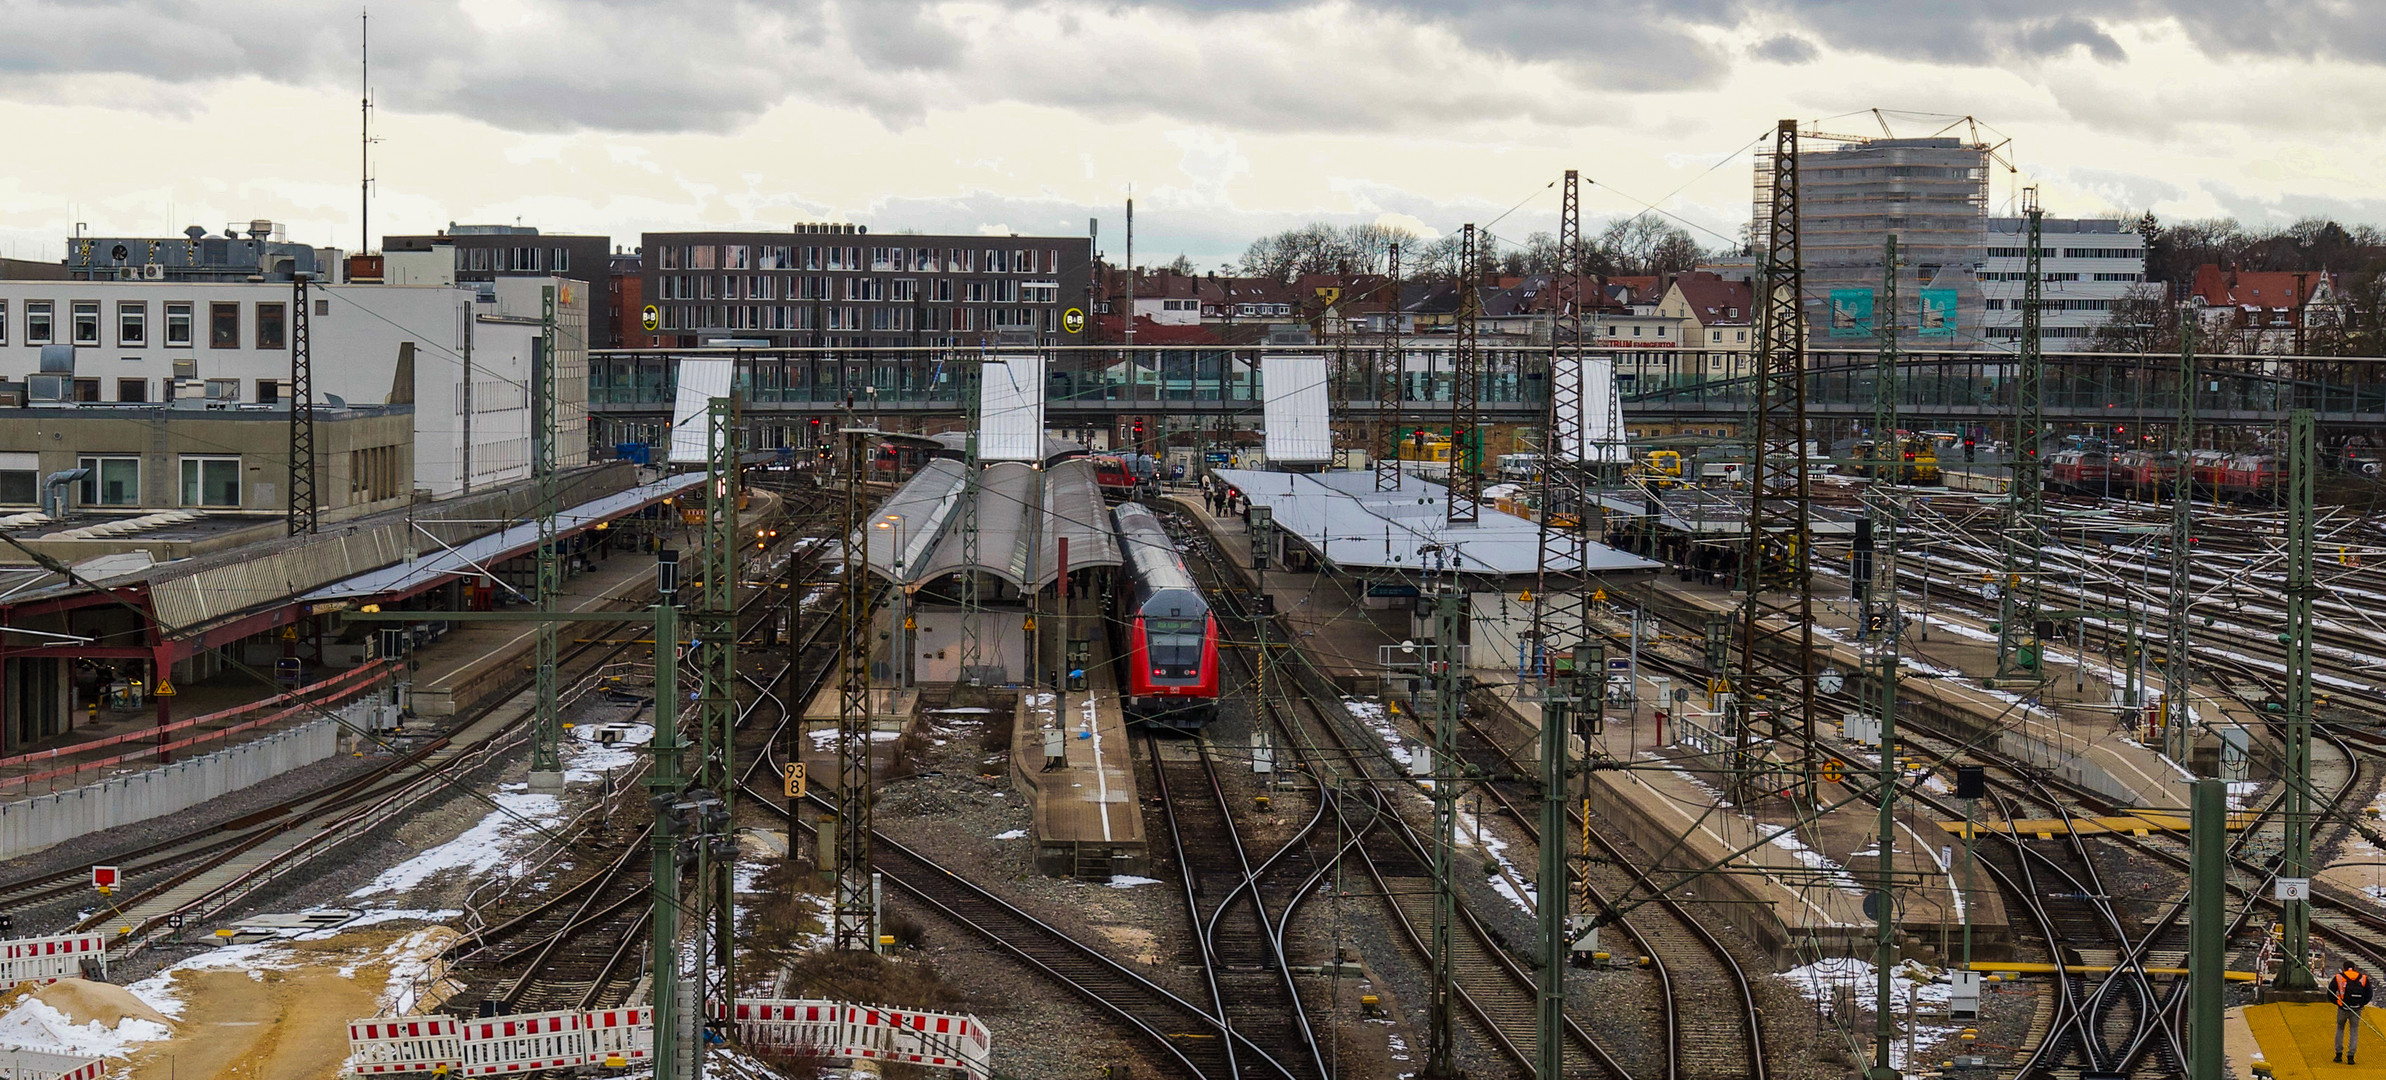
(364,187)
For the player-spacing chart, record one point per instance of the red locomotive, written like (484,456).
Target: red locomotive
(2146,474)
(2251,477)
(2081,470)
(1166,635)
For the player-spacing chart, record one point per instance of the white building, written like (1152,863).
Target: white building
(2088,265)
(147,342)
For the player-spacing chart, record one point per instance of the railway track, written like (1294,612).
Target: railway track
(1496,995)
(1241,952)
(1723,1027)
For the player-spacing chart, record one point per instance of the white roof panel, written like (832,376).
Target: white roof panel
(1298,429)
(700,381)
(1011,408)
(1597,434)
(1354,526)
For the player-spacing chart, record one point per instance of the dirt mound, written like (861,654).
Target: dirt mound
(84,1001)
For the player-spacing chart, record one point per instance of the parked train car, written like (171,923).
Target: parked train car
(1126,476)
(1918,464)
(2145,474)
(1166,638)
(2089,472)
(2251,478)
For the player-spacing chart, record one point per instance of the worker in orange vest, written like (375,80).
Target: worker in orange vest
(2350,988)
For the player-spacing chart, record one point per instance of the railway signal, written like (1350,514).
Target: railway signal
(104,878)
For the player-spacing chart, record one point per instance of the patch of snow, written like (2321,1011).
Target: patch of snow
(1014,834)
(1819,982)
(1129,881)
(37,1025)
(482,848)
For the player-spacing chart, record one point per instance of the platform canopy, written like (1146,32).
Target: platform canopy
(432,568)
(1022,513)
(1351,525)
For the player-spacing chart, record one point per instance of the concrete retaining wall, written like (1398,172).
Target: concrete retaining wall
(30,825)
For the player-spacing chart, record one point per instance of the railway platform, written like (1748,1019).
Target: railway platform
(1087,819)
(469,661)
(1340,633)
(2297,1041)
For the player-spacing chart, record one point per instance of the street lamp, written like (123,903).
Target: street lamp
(901,647)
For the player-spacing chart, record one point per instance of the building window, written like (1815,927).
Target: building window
(211,481)
(272,326)
(112,481)
(269,391)
(86,322)
(223,390)
(132,324)
(37,322)
(178,323)
(3,322)
(87,390)
(132,391)
(20,479)
(223,326)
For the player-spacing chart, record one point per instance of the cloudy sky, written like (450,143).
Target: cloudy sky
(1226,118)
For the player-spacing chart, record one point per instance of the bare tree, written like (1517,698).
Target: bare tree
(1647,244)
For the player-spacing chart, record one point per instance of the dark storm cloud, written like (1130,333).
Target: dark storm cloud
(667,65)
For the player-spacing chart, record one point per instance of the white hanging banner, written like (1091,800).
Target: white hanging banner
(1295,412)
(700,381)
(1596,433)
(1011,408)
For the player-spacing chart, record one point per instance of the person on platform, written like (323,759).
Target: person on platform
(2350,988)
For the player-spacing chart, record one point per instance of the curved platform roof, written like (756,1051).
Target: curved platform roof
(1022,514)
(1344,519)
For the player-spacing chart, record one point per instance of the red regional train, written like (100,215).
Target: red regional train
(2146,474)
(1165,633)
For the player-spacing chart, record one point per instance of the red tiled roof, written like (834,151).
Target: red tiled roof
(2274,289)
(1713,300)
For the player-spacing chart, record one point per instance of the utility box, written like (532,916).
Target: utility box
(1963,995)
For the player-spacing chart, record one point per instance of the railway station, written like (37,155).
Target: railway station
(1431,680)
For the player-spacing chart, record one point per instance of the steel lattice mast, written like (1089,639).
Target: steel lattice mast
(302,410)
(1449,618)
(1388,392)
(973,394)
(1777,620)
(1464,504)
(2295,915)
(546,761)
(2178,676)
(856,917)
(2020,655)
(717,669)
(1881,629)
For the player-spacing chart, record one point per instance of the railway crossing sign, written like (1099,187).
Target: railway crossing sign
(103,877)
(650,318)
(795,780)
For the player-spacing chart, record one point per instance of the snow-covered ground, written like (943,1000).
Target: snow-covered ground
(1819,982)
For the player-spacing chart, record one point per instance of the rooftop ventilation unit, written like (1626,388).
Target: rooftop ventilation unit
(58,359)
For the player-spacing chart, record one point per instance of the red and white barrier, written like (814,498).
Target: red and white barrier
(47,959)
(524,1043)
(404,1044)
(504,1045)
(626,1032)
(865,1033)
(44,1065)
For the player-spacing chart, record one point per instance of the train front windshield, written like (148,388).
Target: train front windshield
(1175,646)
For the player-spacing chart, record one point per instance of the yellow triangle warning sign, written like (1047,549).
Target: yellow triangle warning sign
(164,689)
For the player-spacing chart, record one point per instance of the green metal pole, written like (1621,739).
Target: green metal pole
(1441,1061)
(1884,957)
(2296,973)
(2207,923)
(1587,676)
(2178,677)
(665,783)
(2020,655)
(718,722)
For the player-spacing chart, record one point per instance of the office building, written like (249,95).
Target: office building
(2087,267)
(841,286)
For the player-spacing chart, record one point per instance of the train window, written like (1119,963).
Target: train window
(1175,643)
